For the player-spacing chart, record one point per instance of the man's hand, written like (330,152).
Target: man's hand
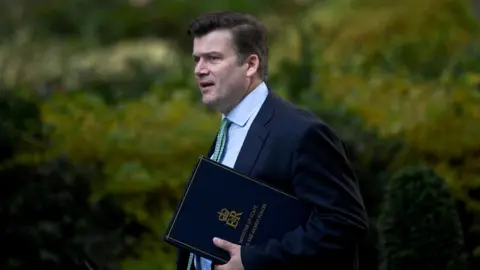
(235,262)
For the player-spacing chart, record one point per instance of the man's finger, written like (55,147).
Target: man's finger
(223,244)
(220,267)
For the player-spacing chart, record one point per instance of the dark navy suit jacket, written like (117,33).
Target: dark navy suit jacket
(295,151)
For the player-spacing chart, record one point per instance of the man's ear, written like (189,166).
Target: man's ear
(252,63)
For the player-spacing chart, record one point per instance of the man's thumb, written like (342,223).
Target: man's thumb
(223,244)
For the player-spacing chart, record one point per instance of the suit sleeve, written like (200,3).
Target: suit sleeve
(323,178)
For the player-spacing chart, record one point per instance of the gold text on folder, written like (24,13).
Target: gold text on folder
(251,226)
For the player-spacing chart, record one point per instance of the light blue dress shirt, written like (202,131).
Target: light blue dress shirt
(242,117)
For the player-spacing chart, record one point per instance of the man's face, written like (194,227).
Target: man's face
(222,81)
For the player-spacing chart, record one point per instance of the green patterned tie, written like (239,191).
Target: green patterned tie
(218,154)
(221,140)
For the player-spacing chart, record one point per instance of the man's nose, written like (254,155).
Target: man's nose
(200,68)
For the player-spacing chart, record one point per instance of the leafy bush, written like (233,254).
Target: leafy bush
(144,150)
(418,226)
(46,220)
(407,69)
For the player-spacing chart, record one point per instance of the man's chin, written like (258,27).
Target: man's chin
(210,102)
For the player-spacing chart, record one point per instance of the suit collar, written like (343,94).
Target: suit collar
(267,110)
(256,137)
(246,108)
(258,128)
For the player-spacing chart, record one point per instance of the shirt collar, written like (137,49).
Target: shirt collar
(245,109)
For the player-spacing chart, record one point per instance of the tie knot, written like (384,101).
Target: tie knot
(226,122)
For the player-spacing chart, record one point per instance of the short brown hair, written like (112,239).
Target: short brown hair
(249,34)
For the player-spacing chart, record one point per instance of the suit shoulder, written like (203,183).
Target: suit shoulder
(299,119)
(300,125)
(304,128)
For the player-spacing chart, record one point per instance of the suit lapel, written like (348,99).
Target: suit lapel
(255,138)
(212,147)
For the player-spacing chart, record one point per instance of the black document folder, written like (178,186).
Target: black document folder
(220,202)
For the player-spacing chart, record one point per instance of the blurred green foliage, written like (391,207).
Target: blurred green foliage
(145,148)
(101,121)
(419,215)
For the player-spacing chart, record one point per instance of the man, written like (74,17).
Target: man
(269,139)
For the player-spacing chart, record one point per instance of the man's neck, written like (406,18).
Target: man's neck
(255,83)
(253,86)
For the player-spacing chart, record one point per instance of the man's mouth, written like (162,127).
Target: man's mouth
(206,84)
